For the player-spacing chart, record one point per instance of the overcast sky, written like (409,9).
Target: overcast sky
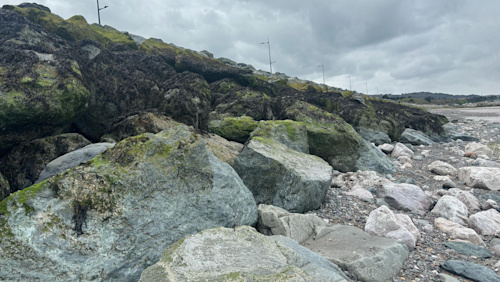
(447,46)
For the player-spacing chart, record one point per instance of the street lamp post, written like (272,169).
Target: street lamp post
(323,68)
(99,12)
(270,61)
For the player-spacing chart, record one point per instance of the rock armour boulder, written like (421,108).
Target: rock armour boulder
(283,177)
(110,218)
(240,254)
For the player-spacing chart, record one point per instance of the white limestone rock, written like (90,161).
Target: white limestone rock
(486,222)
(383,222)
(480,177)
(442,168)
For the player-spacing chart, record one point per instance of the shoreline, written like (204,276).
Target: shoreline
(490,114)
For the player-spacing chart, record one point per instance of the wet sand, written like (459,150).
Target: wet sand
(491,114)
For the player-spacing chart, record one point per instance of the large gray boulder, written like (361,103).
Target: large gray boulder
(372,159)
(110,218)
(402,196)
(24,163)
(240,254)
(480,177)
(373,136)
(290,133)
(368,258)
(277,221)
(73,159)
(280,176)
(415,137)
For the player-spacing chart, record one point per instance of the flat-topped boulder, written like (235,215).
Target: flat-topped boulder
(290,133)
(368,258)
(240,254)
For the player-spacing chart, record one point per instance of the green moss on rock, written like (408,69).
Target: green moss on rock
(329,136)
(234,129)
(76,28)
(290,133)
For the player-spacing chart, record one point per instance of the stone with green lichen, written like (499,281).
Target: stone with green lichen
(330,137)
(240,254)
(288,132)
(280,176)
(234,129)
(111,217)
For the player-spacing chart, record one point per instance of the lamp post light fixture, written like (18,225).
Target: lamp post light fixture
(270,61)
(323,68)
(99,12)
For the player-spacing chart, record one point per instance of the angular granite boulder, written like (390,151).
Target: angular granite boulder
(110,218)
(280,176)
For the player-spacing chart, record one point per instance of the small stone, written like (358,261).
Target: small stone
(386,148)
(401,150)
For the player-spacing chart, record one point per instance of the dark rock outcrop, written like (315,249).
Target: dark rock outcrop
(24,163)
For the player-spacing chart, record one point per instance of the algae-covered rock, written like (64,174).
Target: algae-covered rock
(289,133)
(235,129)
(240,254)
(24,163)
(232,99)
(330,137)
(280,176)
(110,218)
(75,28)
(137,124)
(187,60)
(4,187)
(41,92)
